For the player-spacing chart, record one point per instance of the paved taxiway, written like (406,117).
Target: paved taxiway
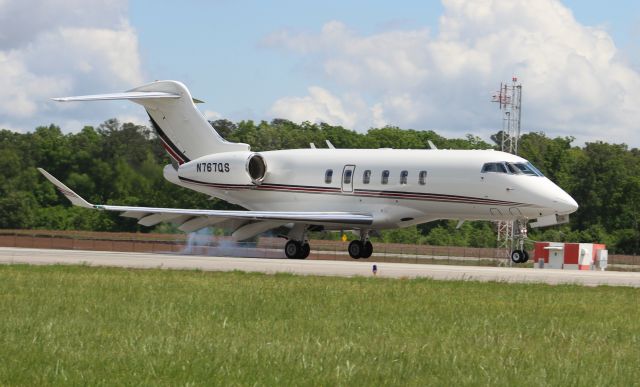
(10,255)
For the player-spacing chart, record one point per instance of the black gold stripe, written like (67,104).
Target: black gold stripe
(171,148)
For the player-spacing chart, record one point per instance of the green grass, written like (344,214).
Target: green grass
(92,326)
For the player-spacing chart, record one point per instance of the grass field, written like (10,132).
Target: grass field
(93,326)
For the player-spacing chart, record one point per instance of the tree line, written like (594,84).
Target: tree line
(121,163)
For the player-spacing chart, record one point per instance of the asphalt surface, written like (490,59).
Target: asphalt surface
(11,255)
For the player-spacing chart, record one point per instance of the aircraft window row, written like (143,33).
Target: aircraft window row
(384,178)
(512,168)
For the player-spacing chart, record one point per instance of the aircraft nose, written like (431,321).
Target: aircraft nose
(565,204)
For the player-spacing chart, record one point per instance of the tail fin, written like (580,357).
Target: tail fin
(184,131)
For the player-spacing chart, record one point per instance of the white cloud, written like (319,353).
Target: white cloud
(19,85)
(9,126)
(211,115)
(141,120)
(319,106)
(575,81)
(23,21)
(67,47)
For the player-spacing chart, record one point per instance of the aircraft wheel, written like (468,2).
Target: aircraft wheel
(304,251)
(355,249)
(367,250)
(292,249)
(517,256)
(525,257)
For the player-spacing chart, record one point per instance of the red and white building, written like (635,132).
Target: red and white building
(571,256)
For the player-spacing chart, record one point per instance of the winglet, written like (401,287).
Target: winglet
(75,199)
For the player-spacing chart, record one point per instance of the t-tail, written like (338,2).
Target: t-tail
(185,132)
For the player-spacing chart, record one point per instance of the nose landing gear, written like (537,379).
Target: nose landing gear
(520,255)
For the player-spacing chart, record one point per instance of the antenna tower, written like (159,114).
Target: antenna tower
(509,99)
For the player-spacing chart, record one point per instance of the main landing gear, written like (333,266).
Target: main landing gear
(360,249)
(294,249)
(297,246)
(297,249)
(300,250)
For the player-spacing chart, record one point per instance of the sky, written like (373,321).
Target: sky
(360,64)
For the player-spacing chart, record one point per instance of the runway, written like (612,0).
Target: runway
(11,255)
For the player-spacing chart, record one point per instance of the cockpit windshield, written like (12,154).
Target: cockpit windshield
(534,169)
(494,167)
(527,169)
(512,168)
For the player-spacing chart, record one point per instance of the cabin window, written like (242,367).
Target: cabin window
(385,176)
(422,178)
(403,177)
(347,176)
(366,177)
(328,176)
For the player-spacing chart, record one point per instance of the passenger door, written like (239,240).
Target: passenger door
(347,178)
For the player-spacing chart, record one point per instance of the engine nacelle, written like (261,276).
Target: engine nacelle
(230,168)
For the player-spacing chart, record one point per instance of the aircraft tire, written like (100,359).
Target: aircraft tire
(517,256)
(525,257)
(304,251)
(292,249)
(355,249)
(367,250)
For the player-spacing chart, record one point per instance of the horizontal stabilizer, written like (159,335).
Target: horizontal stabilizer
(119,96)
(183,130)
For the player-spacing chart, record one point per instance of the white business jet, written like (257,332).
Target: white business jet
(363,190)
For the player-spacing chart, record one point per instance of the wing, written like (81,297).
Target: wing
(194,219)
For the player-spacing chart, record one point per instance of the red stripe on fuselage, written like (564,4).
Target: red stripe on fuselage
(363,193)
(434,197)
